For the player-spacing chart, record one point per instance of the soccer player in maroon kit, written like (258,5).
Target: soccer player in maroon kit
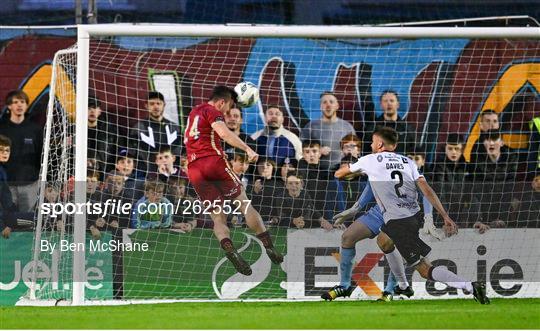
(212,177)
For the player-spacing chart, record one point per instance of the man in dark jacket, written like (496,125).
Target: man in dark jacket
(26,145)
(149,135)
(452,166)
(389,102)
(7,207)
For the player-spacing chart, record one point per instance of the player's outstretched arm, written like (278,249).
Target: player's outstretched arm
(233,140)
(428,192)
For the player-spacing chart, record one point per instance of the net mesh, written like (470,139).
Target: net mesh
(467,113)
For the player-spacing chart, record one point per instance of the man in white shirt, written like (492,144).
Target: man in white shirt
(394,179)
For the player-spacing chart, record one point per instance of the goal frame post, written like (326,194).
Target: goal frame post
(85,32)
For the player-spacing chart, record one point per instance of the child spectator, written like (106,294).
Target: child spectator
(452,166)
(164,164)
(153,210)
(240,166)
(297,208)
(351,145)
(489,121)
(498,164)
(7,207)
(266,188)
(125,165)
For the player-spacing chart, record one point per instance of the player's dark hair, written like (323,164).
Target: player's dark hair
(327,93)
(454,139)
(387,134)
(156,95)
(5,141)
(385,92)
(16,94)
(488,112)
(223,92)
(310,143)
(490,135)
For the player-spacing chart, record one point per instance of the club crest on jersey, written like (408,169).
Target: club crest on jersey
(379,158)
(404,159)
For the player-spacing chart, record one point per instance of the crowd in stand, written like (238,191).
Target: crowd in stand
(292,183)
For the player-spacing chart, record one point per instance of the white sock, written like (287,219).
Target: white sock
(396,265)
(443,275)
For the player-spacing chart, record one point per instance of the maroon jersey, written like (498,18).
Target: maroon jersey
(200,138)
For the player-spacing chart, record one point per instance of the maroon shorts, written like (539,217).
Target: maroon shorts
(213,179)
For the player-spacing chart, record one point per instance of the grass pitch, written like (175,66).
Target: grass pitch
(433,314)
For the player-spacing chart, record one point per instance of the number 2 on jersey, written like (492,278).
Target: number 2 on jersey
(192,131)
(393,175)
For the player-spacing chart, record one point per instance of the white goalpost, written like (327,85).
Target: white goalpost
(113,63)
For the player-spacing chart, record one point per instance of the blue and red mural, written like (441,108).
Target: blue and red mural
(443,84)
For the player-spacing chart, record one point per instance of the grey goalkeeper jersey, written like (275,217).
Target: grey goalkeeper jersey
(393,181)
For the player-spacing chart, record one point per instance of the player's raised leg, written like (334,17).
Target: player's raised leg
(222,233)
(254,222)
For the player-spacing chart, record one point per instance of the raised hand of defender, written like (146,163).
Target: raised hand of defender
(450,228)
(429,227)
(252,155)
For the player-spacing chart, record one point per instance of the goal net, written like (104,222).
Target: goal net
(466,110)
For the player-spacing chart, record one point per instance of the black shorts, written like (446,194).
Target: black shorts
(404,234)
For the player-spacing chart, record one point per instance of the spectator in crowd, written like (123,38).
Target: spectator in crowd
(316,177)
(7,207)
(351,145)
(164,165)
(452,166)
(26,137)
(297,208)
(266,188)
(125,165)
(289,165)
(51,195)
(489,121)
(240,166)
(149,135)
(114,189)
(274,141)
(389,103)
(103,137)
(498,164)
(153,210)
(233,120)
(328,130)
(419,158)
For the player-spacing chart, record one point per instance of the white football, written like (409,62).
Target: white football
(248,94)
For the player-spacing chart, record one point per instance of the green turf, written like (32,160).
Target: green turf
(447,314)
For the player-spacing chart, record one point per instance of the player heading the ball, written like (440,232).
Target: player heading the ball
(212,176)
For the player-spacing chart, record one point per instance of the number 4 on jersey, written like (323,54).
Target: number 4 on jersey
(192,131)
